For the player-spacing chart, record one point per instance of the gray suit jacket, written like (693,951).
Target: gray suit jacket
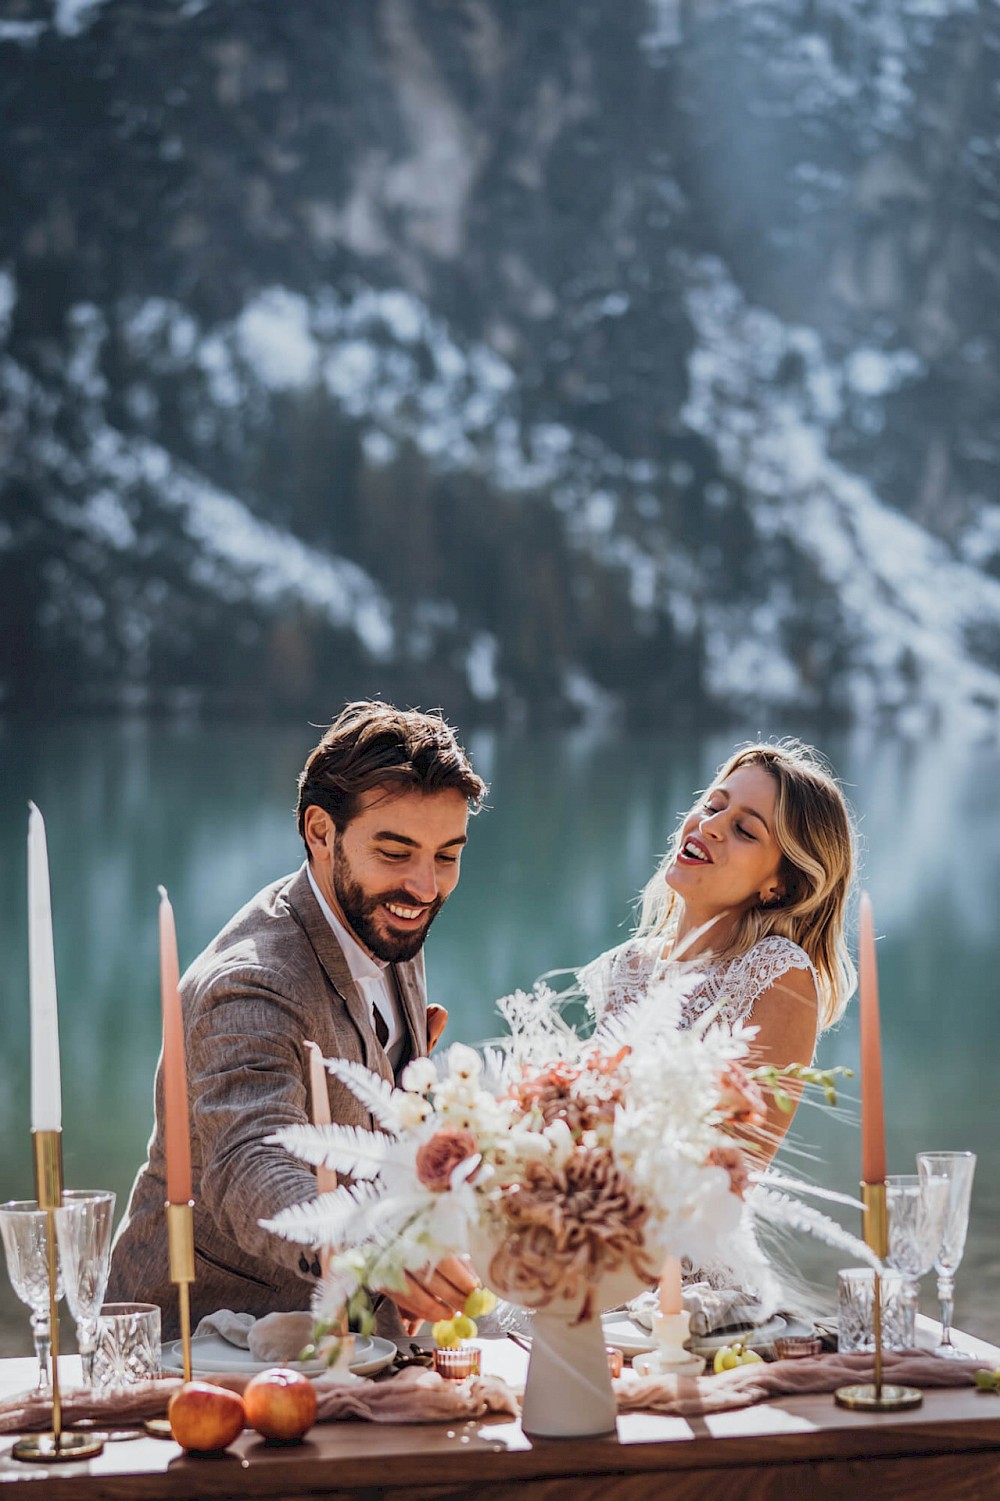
(274,978)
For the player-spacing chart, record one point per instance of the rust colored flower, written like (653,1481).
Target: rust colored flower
(584,1097)
(733,1162)
(566,1227)
(740,1097)
(438,1158)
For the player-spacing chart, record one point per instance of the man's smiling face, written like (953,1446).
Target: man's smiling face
(390,871)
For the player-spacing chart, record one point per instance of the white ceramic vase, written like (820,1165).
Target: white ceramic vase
(568,1392)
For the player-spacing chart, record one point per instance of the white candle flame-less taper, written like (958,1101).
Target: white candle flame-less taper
(46,1090)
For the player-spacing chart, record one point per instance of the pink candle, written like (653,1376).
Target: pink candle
(670,1286)
(326,1178)
(872,1113)
(175,1099)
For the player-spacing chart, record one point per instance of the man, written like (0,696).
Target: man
(331,955)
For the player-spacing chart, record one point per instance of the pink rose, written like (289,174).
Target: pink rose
(740,1097)
(732,1161)
(438,1158)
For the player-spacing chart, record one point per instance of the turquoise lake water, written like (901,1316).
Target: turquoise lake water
(576,824)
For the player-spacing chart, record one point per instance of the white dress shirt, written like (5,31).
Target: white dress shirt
(372,976)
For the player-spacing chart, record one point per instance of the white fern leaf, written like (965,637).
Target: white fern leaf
(325,1220)
(778,1209)
(374,1092)
(347,1149)
(795,1185)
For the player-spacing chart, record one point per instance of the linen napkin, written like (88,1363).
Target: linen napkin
(234,1328)
(711,1307)
(275,1338)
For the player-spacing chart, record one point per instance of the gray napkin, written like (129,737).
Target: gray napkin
(234,1328)
(274,1338)
(711,1308)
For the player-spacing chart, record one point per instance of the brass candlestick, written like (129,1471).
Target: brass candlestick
(180,1238)
(54,1447)
(877,1396)
(180,1242)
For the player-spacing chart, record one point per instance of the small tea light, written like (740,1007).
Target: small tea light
(797,1346)
(614,1361)
(458,1362)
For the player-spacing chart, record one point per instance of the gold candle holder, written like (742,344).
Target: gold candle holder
(180,1244)
(180,1240)
(877,1396)
(54,1447)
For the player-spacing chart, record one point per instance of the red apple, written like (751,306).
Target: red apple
(204,1417)
(280,1404)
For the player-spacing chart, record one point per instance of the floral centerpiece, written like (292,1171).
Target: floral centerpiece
(560,1161)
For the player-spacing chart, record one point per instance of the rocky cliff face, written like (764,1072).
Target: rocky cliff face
(555,360)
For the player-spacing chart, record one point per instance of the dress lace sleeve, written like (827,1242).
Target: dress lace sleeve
(618,977)
(734,987)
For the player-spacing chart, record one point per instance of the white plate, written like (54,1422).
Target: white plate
(211,1353)
(622,1334)
(381,1354)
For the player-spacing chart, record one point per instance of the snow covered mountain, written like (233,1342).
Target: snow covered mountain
(546,361)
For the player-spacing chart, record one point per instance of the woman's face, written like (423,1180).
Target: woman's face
(728,859)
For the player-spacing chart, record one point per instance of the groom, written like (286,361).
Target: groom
(331,955)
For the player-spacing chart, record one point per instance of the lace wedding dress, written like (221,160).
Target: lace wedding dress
(743,1288)
(624,975)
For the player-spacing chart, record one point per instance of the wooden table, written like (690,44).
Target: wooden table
(794,1449)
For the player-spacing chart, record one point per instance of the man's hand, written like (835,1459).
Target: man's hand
(437,1020)
(437,1293)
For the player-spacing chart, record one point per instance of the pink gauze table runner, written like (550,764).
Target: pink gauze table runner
(421,1396)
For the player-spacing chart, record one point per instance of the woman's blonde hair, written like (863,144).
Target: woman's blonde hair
(815,834)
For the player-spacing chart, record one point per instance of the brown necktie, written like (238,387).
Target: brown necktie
(381,1030)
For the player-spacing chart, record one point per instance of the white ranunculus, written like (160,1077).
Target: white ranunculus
(419,1075)
(413,1111)
(463,1063)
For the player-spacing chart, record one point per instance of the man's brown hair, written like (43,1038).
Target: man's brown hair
(372,744)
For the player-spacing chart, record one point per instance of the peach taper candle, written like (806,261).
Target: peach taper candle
(670,1286)
(872,1109)
(175,1097)
(326,1178)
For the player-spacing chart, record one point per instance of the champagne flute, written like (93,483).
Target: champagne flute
(958,1168)
(83,1231)
(25,1231)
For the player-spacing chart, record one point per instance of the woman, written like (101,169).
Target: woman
(751,896)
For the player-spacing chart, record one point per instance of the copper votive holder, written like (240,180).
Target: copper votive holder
(457,1363)
(797,1346)
(616,1361)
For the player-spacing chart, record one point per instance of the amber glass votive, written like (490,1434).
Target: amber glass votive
(797,1346)
(457,1363)
(615,1361)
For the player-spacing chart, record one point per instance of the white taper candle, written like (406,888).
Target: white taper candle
(46,1090)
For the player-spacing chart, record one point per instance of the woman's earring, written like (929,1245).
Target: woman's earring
(777,900)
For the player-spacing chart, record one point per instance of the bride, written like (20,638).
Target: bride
(750,902)
(751,897)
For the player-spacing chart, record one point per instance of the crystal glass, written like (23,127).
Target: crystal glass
(128,1344)
(25,1231)
(958,1168)
(856,1310)
(83,1230)
(916,1205)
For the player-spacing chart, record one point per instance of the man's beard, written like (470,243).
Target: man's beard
(359,909)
